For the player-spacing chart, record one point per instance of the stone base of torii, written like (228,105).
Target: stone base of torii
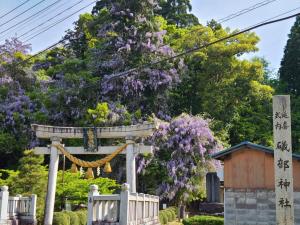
(56,134)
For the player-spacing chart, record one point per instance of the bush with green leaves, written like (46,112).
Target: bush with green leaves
(61,218)
(163,219)
(74,219)
(30,178)
(203,220)
(82,215)
(70,218)
(167,215)
(76,189)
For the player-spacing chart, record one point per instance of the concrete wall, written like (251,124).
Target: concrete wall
(253,207)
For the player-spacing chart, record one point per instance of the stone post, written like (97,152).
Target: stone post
(130,165)
(91,211)
(52,177)
(32,208)
(283,162)
(124,205)
(4,205)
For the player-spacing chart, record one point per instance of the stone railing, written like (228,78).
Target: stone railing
(17,208)
(123,209)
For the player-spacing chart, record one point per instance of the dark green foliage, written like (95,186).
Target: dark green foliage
(167,215)
(176,12)
(31,178)
(218,84)
(203,220)
(61,218)
(289,72)
(289,80)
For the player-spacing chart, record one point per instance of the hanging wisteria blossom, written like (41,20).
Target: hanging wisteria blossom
(188,142)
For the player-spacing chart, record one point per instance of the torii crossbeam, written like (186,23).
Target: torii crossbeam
(56,134)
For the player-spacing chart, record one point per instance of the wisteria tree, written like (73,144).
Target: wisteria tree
(15,106)
(182,158)
(129,36)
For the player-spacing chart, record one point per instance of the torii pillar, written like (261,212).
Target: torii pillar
(130,165)
(52,177)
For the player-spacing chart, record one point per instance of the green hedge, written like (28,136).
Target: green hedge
(82,215)
(70,218)
(61,218)
(203,220)
(74,219)
(167,215)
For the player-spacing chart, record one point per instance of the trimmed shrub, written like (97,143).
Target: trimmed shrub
(74,219)
(82,215)
(61,218)
(167,215)
(163,218)
(172,213)
(203,220)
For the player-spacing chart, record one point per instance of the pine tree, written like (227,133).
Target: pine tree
(289,79)
(290,65)
(176,12)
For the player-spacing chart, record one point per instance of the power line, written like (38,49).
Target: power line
(113,76)
(28,18)
(14,9)
(244,11)
(116,75)
(58,22)
(22,13)
(48,20)
(40,17)
(281,14)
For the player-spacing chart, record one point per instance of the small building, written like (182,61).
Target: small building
(249,183)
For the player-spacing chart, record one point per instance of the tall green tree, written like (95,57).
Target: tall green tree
(229,90)
(289,72)
(177,12)
(289,79)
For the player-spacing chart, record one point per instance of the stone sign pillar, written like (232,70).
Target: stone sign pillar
(283,160)
(52,177)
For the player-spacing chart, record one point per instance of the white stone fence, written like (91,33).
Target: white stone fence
(122,209)
(17,208)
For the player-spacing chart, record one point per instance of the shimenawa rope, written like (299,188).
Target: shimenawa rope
(93,164)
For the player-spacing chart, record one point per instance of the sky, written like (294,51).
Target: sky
(273,37)
(271,47)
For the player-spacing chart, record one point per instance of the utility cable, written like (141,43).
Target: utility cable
(14,9)
(53,17)
(58,22)
(37,19)
(113,76)
(281,14)
(21,13)
(244,11)
(116,75)
(33,15)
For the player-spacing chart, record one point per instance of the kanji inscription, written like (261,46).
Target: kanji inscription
(283,160)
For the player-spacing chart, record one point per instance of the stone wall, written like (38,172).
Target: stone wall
(254,207)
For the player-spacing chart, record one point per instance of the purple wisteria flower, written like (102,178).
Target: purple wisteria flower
(189,142)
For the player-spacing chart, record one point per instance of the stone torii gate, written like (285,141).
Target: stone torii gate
(56,134)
